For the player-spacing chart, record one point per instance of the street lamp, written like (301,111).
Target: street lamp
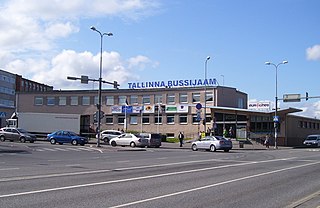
(276,100)
(100,81)
(205,93)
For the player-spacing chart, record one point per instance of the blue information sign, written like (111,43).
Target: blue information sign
(198,106)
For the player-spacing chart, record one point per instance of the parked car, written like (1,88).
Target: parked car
(154,140)
(212,143)
(16,134)
(128,139)
(312,141)
(106,135)
(61,137)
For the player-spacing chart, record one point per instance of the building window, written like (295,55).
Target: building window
(74,100)
(158,99)
(183,119)
(170,119)
(50,100)
(146,99)
(158,119)
(195,119)
(183,98)
(133,119)
(134,100)
(109,119)
(120,119)
(209,97)
(145,119)
(62,100)
(109,100)
(96,100)
(86,100)
(38,100)
(196,97)
(170,99)
(122,100)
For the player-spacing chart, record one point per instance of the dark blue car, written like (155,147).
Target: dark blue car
(61,137)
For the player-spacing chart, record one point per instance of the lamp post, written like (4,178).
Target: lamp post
(100,82)
(205,94)
(276,102)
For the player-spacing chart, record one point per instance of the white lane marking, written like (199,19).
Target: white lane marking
(156,176)
(54,160)
(129,168)
(162,158)
(86,149)
(213,185)
(72,165)
(9,168)
(60,149)
(73,149)
(49,149)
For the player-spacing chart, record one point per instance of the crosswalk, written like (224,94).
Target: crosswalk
(67,149)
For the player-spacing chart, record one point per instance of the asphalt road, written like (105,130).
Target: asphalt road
(44,175)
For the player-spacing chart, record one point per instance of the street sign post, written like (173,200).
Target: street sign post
(291,98)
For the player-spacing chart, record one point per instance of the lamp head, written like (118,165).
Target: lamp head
(109,34)
(285,62)
(93,28)
(267,63)
(208,57)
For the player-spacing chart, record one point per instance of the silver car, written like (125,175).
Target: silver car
(16,134)
(312,141)
(212,143)
(128,139)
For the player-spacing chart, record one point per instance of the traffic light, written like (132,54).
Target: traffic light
(115,85)
(307,95)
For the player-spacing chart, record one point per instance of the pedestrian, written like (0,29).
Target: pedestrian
(225,133)
(267,142)
(231,132)
(181,137)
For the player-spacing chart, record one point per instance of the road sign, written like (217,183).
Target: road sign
(198,106)
(291,98)
(276,118)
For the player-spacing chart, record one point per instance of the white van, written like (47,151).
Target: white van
(312,141)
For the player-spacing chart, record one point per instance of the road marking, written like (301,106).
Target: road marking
(71,165)
(131,168)
(57,148)
(9,168)
(49,149)
(73,149)
(86,149)
(212,185)
(163,175)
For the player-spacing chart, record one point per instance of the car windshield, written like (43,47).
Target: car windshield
(312,138)
(219,138)
(22,131)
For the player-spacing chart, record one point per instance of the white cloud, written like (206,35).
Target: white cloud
(313,53)
(31,30)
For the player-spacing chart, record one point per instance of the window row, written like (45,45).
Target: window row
(148,119)
(7,103)
(7,79)
(308,125)
(121,100)
(8,91)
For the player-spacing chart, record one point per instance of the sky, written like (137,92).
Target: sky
(161,40)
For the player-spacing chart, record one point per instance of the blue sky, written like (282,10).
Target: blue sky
(167,40)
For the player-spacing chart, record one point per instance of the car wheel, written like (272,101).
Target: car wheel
(132,144)
(2,139)
(226,150)
(31,141)
(53,141)
(212,148)
(60,143)
(82,144)
(22,140)
(194,147)
(113,143)
(74,142)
